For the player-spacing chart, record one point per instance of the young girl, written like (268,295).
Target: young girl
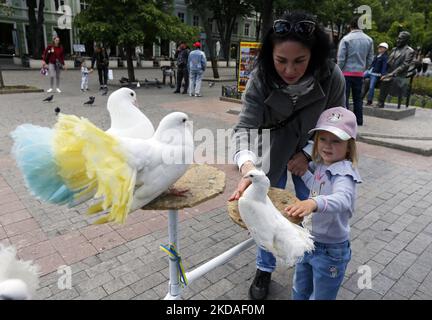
(84,76)
(332,182)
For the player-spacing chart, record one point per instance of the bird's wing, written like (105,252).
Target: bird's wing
(253,213)
(155,174)
(131,123)
(105,163)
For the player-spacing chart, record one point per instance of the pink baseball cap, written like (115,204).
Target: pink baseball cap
(339,121)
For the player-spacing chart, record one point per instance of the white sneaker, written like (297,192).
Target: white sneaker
(49,90)
(58,90)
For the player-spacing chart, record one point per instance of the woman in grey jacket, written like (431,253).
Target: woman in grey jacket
(293,82)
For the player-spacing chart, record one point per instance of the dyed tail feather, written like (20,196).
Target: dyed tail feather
(34,155)
(74,162)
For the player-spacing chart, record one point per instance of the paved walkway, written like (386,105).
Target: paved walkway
(391,229)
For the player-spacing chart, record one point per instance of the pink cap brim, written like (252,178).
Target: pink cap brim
(336,131)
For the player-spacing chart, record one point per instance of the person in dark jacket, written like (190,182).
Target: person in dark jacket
(182,55)
(293,82)
(101,58)
(377,69)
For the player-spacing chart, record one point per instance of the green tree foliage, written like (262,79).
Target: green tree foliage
(389,17)
(206,16)
(129,23)
(224,13)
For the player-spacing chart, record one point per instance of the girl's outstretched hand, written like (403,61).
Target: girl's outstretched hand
(301,208)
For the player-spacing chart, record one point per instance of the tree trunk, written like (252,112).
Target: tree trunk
(226,44)
(225,31)
(130,67)
(258,27)
(35,26)
(31,4)
(210,45)
(1,79)
(267,17)
(39,29)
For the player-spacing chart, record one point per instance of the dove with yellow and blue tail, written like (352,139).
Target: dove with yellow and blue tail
(77,160)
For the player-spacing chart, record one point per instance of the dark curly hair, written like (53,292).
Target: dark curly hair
(318,43)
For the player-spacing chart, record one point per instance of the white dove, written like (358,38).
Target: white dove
(267,226)
(76,160)
(163,159)
(18,279)
(126,119)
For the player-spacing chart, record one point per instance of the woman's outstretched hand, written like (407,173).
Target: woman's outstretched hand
(243,183)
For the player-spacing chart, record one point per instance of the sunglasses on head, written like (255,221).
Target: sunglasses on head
(303,28)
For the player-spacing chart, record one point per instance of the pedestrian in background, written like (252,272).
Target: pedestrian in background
(182,55)
(197,63)
(101,59)
(355,54)
(53,57)
(84,75)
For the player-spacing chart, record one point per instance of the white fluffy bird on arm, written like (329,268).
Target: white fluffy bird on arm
(268,227)
(76,161)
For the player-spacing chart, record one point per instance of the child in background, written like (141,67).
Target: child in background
(84,76)
(332,181)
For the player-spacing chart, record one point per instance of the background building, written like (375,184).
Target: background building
(58,20)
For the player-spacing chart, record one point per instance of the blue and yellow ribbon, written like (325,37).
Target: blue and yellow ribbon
(174,256)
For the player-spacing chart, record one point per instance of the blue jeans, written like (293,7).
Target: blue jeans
(195,78)
(319,275)
(356,84)
(372,84)
(265,260)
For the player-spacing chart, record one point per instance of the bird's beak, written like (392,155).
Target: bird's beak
(135,103)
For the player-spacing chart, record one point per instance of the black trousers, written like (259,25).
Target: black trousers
(103,75)
(182,73)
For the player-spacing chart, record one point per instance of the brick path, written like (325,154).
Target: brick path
(391,229)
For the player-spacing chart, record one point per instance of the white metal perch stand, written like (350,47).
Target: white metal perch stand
(204,182)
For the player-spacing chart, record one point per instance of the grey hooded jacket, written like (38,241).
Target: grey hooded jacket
(264,107)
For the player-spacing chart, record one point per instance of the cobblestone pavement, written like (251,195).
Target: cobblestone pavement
(391,228)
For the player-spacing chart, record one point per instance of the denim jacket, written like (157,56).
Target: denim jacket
(334,189)
(197,61)
(355,53)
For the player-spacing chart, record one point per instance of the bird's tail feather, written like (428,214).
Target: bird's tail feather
(32,150)
(101,167)
(306,238)
(73,162)
(296,242)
